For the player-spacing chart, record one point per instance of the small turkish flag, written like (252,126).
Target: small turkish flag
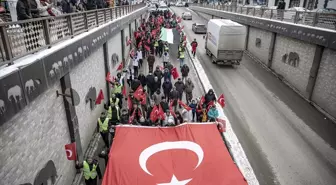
(138,94)
(70,150)
(108,77)
(130,121)
(221,125)
(175,73)
(129,42)
(140,44)
(171,109)
(161,68)
(190,154)
(147,48)
(186,107)
(161,113)
(100,97)
(202,100)
(185,38)
(124,90)
(120,67)
(154,114)
(182,27)
(221,100)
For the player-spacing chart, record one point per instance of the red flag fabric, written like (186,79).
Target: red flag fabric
(154,114)
(140,44)
(161,68)
(147,48)
(202,100)
(132,53)
(221,100)
(130,120)
(124,90)
(138,94)
(143,100)
(185,38)
(120,67)
(175,73)
(186,107)
(182,28)
(221,125)
(100,97)
(192,154)
(70,150)
(171,109)
(108,77)
(210,104)
(129,42)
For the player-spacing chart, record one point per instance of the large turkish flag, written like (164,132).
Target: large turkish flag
(189,154)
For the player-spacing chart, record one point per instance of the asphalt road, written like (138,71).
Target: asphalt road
(286,140)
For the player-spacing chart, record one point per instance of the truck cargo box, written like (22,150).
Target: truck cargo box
(225,35)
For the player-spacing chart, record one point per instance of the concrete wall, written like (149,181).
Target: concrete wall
(34,136)
(324,93)
(261,50)
(297,76)
(114,49)
(90,73)
(126,37)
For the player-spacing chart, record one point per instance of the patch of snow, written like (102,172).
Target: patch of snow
(233,143)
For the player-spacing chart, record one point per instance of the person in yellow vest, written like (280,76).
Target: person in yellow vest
(113,113)
(156,46)
(181,54)
(91,171)
(113,100)
(117,90)
(103,125)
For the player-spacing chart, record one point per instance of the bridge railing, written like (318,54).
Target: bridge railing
(20,38)
(315,19)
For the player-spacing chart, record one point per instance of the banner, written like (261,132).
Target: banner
(167,35)
(192,154)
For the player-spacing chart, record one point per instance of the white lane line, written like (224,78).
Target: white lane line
(231,138)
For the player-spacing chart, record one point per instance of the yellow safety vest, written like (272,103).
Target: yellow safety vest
(103,126)
(116,101)
(166,48)
(117,89)
(181,54)
(156,43)
(109,112)
(89,174)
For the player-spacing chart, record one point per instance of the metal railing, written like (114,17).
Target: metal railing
(20,38)
(321,20)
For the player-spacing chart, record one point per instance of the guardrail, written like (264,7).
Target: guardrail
(20,38)
(322,20)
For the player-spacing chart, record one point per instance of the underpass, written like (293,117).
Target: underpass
(287,141)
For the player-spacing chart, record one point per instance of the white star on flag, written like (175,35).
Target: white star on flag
(174,181)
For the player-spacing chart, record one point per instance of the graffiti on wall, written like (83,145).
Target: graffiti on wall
(291,59)
(91,97)
(46,176)
(114,60)
(258,42)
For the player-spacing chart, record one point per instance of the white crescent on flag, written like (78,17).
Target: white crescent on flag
(69,153)
(187,145)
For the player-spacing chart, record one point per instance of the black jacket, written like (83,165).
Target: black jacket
(164,106)
(167,87)
(142,79)
(150,81)
(174,94)
(185,71)
(179,86)
(135,84)
(33,9)
(209,97)
(23,10)
(159,74)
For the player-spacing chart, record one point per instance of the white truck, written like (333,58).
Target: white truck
(225,41)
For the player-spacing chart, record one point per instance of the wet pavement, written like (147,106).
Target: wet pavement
(286,140)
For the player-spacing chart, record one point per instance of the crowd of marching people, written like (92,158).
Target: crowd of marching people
(162,97)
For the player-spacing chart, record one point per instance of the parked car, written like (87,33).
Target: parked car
(179,4)
(186,16)
(199,28)
(163,7)
(152,8)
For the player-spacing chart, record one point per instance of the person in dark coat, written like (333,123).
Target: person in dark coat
(167,87)
(166,75)
(160,48)
(173,96)
(164,104)
(23,10)
(90,162)
(124,116)
(158,73)
(210,96)
(135,84)
(142,79)
(184,71)
(179,87)
(157,84)
(91,4)
(150,84)
(34,9)
(151,61)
